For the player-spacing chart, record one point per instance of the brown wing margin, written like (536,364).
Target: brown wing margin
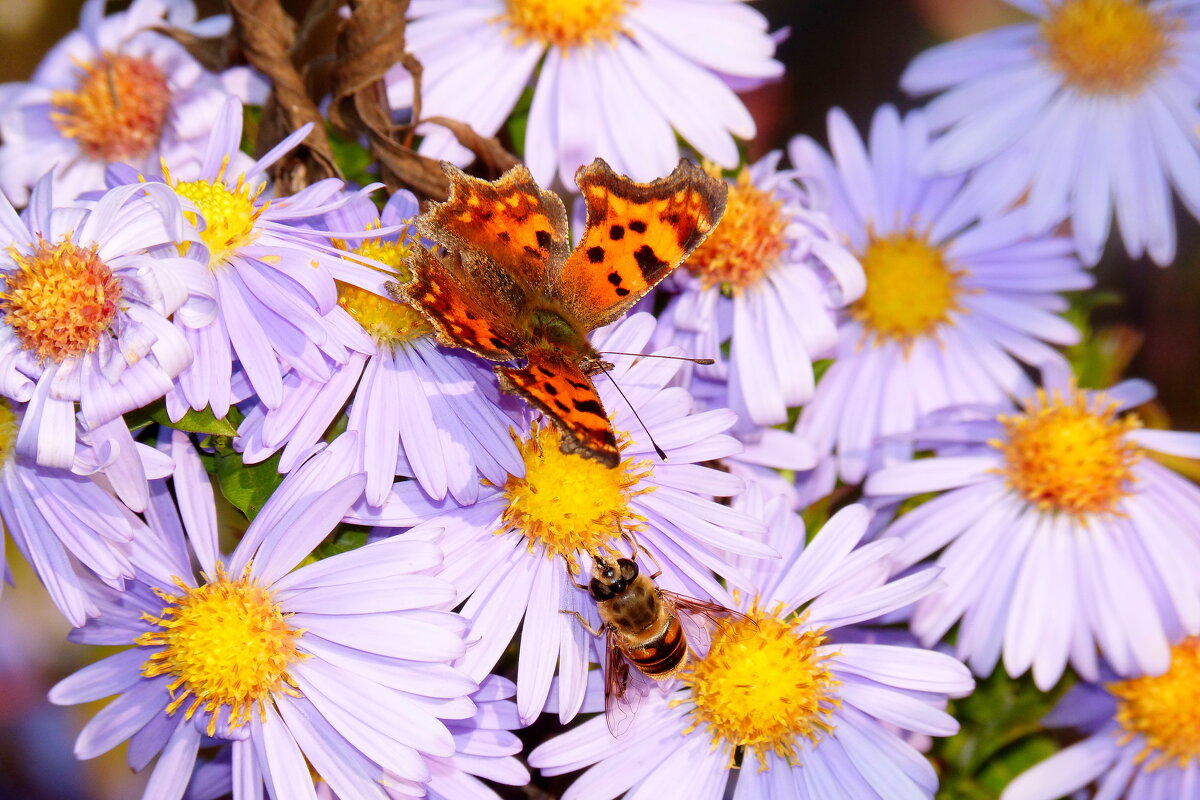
(558,388)
(636,234)
(510,222)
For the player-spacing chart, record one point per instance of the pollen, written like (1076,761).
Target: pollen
(565,23)
(60,299)
(764,686)
(1106,46)
(117,109)
(1164,710)
(388,322)
(911,288)
(225,644)
(1069,454)
(566,502)
(8,430)
(229,215)
(748,242)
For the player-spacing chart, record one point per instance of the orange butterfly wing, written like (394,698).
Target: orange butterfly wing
(510,222)
(636,234)
(556,386)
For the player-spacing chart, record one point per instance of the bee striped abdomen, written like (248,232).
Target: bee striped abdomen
(662,655)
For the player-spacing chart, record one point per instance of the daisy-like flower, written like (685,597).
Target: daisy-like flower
(772,273)
(419,409)
(1091,107)
(112,91)
(1059,535)
(808,718)
(603,68)
(342,664)
(519,549)
(953,306)
(85,310)
(1143,738)
(270,283)
(62,521)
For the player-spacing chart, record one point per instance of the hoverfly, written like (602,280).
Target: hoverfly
(644,626)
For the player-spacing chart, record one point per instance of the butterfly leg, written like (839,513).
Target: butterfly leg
(583,622)
(594,366)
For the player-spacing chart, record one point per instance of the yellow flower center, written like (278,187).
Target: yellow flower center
(1106,46)
(388,322)
(60,299)
(565,23)
(229,214)
(566,502)
(747,243)
(764,686)
(911,290)
(225,643)
(1069,455)
(117,110)
(1164,709)
(8,430)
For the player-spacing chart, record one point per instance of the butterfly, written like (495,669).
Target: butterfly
(503,281)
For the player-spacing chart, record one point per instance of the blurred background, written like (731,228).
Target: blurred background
(848,53)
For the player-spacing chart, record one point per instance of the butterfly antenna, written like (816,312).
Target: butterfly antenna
(704,362)
(661,453)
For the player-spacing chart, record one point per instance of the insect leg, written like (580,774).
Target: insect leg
(583,622)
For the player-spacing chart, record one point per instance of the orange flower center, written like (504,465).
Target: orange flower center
(911,289)
(1106,46)
(59,299)
(1164,709)
(565,23)
(117,111)
(747,243)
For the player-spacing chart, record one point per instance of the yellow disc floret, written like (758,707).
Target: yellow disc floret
(225,644)
(60,299)
(229,215)
(567,502)
(1069,453)
(388,322)
(747,244)
(764,686)
(1164,710)
(565,23)
(117,109)
(911,289)
(8,430)
(1106,46)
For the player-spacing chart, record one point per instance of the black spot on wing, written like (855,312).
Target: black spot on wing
(647,261)
(549,389)
(504,236)
(562,406)
(589,407)
(543,239)
(497,343)
(621,291)
(579,384)
(614,278)
(595,254)
(637,226)
(545,371)
(533,251)
(616,232)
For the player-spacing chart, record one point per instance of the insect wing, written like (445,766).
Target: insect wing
(703,620)
(625,688)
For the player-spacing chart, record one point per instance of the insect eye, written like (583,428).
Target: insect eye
(601,590)
(629,570)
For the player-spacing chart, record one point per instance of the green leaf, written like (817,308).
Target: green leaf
(246,486)
(195,422)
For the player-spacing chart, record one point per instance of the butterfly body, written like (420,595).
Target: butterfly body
(505,284)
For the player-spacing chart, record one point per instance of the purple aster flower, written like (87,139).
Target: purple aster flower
(1059,536)
(773,271)
(342,664)
(514,552)
(603,68)
(112,91)
(271,301)
(1092,108)
(954,307)
(808,718)
(85,310)
(1143,738)
(420,409)
(63,522)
